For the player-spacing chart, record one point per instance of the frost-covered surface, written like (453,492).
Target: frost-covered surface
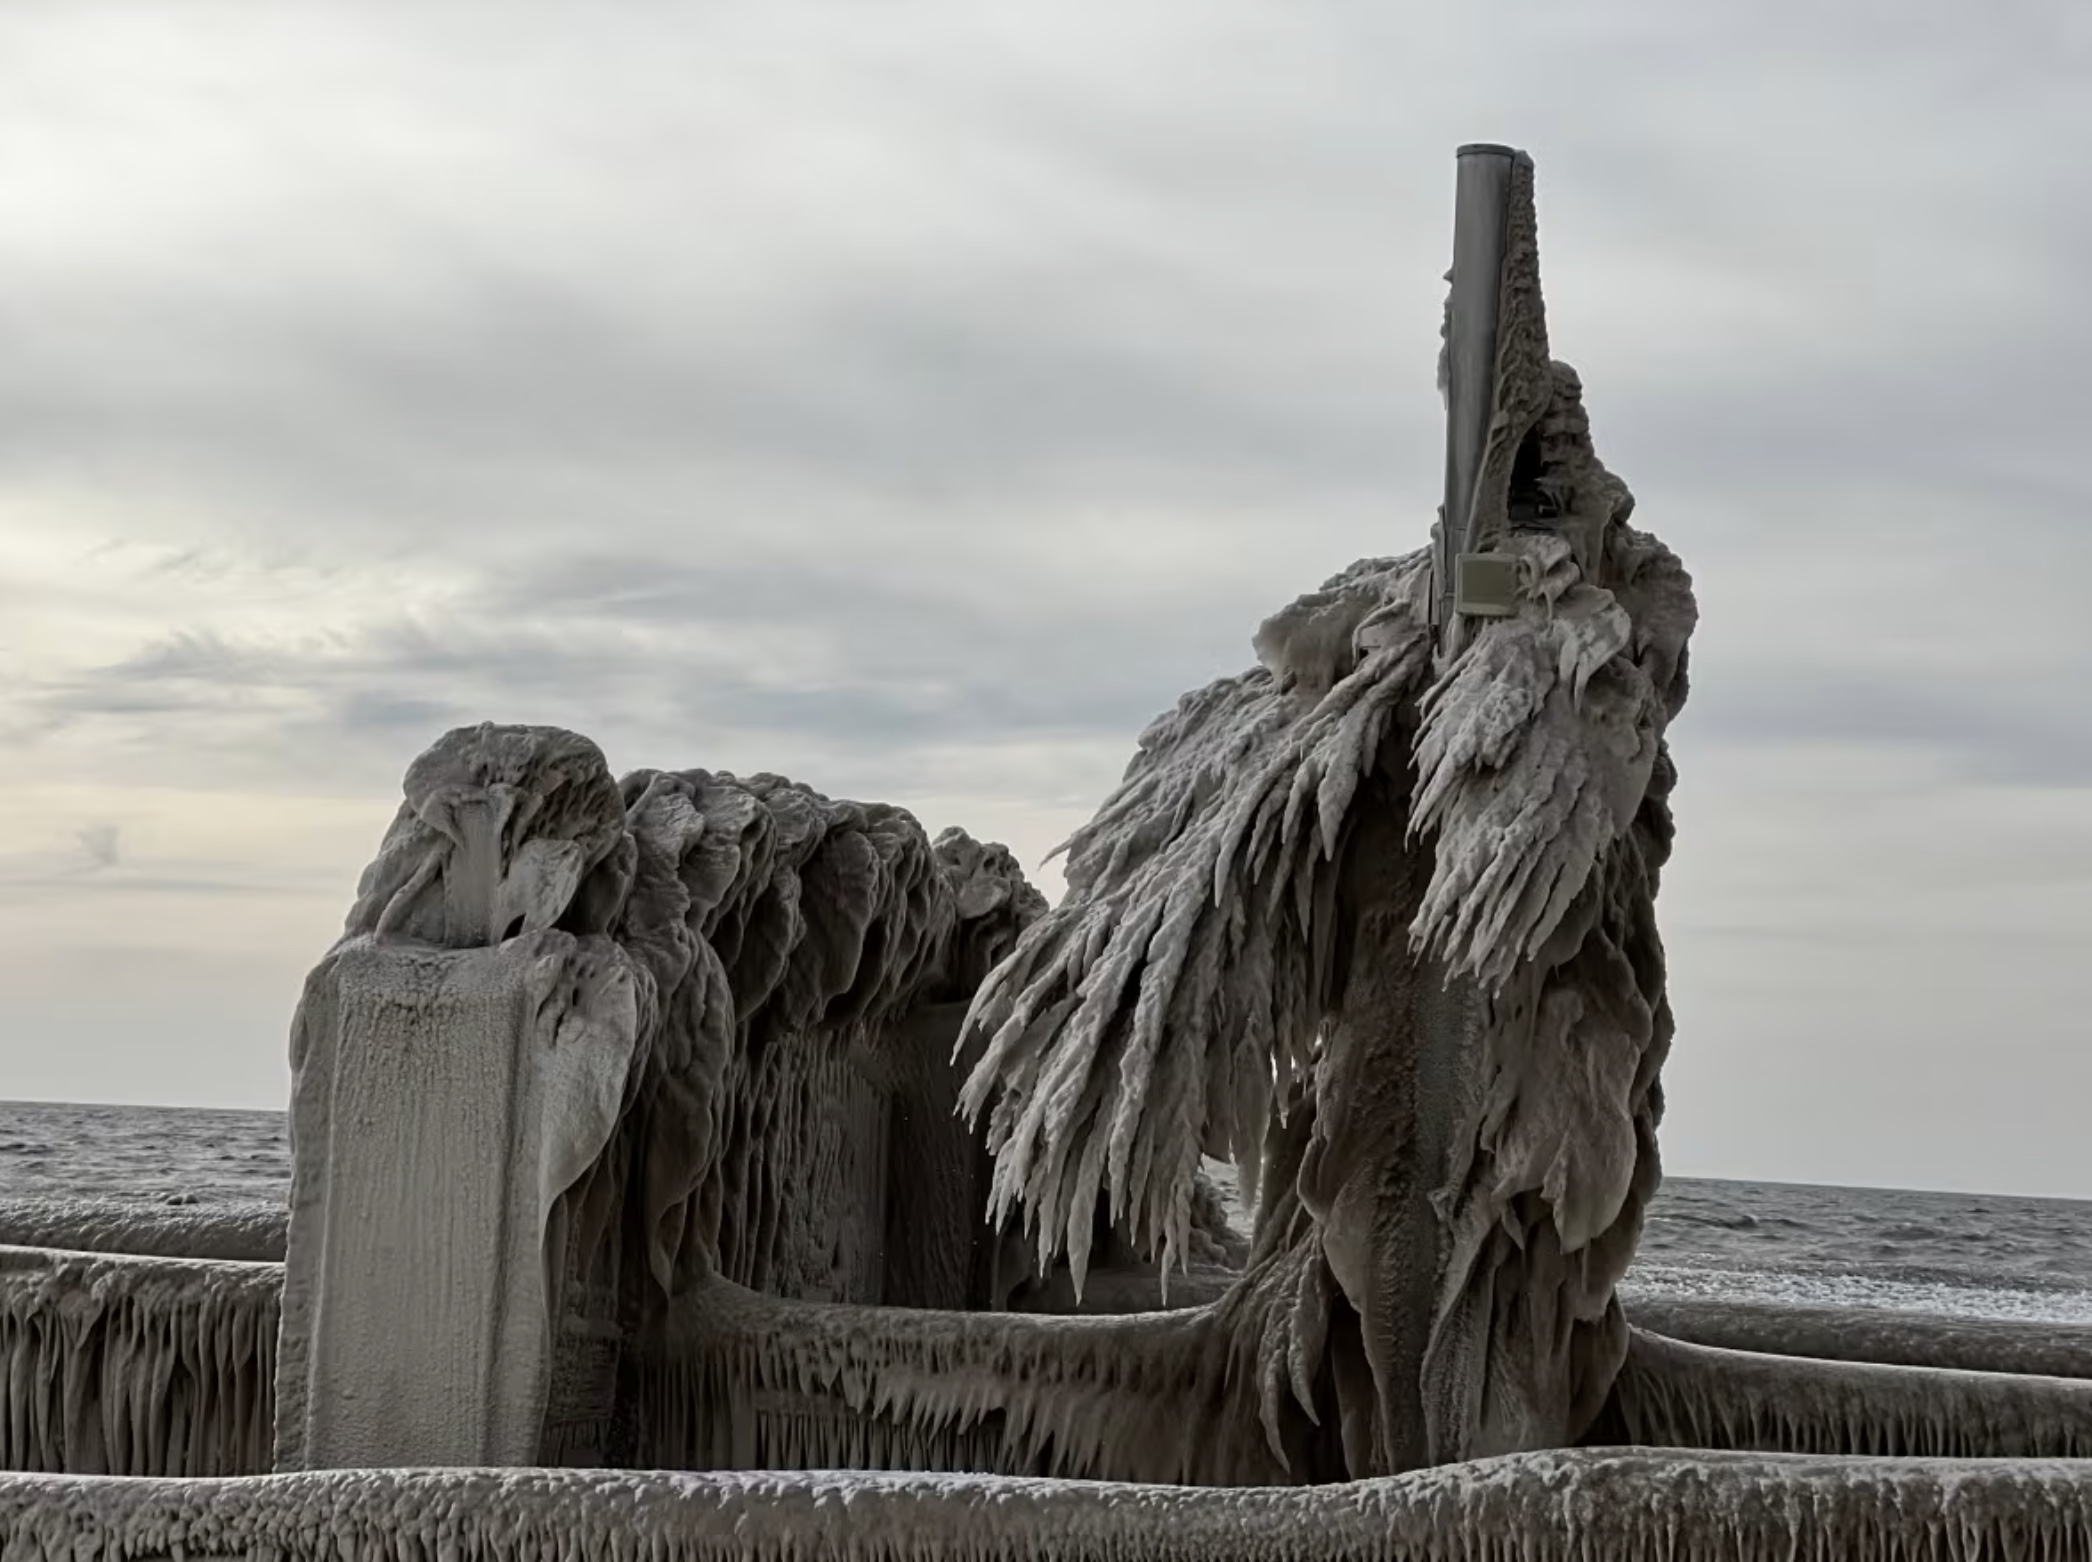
(749,1381)
(1375,920)
(585,1042)
(136,1366)
(1623,1506)
(444,1101)
(1312,869)
(1891,1336)
(757,911)
(154,1367)
(1867,1250)
(787,931)
(1184,976)
(250,1233)
(1671,1394)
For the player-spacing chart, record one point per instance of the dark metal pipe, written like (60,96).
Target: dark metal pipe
(1481,210)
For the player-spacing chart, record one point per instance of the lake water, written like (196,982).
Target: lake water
(1898,1248)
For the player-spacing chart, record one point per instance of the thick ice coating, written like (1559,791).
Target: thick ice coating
(584,1043)
(249,1233)
(2039,1347)
(1299,864)
(1632,1507)
(1376,921)
(136,1366)
(459,1060)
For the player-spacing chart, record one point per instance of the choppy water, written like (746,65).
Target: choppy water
(153,1154)
(1886,1247)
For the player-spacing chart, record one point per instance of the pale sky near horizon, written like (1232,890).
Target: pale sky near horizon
(915,398)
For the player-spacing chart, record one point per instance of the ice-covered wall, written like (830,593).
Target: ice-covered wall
(1625,1507)
(459,1060)
(1672,1394)
(136,1366)
(743,1381)
(830,940)
(248,1233)
(145,1366)
(585,1043)
(1893,1338)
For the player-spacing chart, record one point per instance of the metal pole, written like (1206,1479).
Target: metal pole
(1447,1013)
(1481,209)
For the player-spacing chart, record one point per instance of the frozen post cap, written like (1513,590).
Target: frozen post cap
(459,1059)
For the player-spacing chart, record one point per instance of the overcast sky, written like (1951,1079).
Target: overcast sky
(916,397)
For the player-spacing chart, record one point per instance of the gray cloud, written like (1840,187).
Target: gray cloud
(101,842)
(1980,731)
(667,653)
(1112,289)
(95,868)
(921,398)
(48,869)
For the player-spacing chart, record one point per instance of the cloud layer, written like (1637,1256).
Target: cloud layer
(917,398)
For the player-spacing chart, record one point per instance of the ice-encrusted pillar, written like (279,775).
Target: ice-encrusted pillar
(460,1059)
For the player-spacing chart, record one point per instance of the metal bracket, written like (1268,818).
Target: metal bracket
(1485,585)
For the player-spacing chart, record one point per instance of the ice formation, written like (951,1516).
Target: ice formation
(136,1366)
(166,1368)
(638,1034)
(1671,1394)
(1904,1339)
(251,1233)
(691,1121)
(1625,1506)
(1310,868)
(1301,863)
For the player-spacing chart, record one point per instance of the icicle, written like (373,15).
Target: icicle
(1696,1396)
(137,1366)
(1148,974)
(1089,1397)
